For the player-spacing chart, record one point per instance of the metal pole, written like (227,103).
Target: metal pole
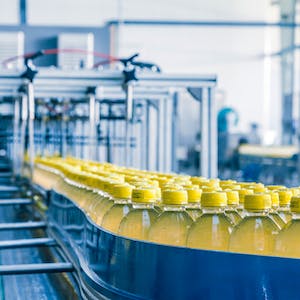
(97,124)
(92,120)
(24,118)
(208,153)
(204,152)
(213,134)
(129,115)
(16,133)
(287,11)
(174,133)
(31,114)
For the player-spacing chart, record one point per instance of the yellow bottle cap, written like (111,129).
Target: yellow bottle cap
(284,197)
(194,194)
(144,195)
(211,184)
(257,202)
(275,187)
(295,204)
(198,180)
(258,189)
(274,198)
(295,191)
(242,193)
(171,186)
(162,181)
(232,197)
(121,191)
(210,189)
(229,181)
(174,197)
(190,186)
(213,199)
(108,185)
(230,186)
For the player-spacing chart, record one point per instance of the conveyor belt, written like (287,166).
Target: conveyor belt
(26,268)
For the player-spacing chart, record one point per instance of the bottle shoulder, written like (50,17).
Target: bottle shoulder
(175,216)
(256,223)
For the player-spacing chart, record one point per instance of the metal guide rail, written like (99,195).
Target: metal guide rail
(119,268)
(158,94)
(26,248)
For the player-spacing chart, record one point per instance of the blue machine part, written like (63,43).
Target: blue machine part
(121,268)
(222,118)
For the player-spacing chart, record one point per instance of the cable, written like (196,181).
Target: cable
(32,55)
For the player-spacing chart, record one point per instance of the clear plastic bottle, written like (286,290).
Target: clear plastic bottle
(122,205)
(212,229)
(284,205)
(242,193)
(232,205)
(287,242)
(255,234)
(193,207)
(137,222)
(173,223)
(105,203)
(273,213)
(295,191)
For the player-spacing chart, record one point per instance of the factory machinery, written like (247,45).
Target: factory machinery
(50,249)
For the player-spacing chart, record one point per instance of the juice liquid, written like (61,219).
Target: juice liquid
(173,223)
(193,208)
(121,207)
(212,229)
(255,234)
(137,222)
(101,209)
(287,242)
(231,210)
(232,213)
(284,212)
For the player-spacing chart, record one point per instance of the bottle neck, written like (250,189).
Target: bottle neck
(169,207)
(193,206)
(274,208)
(213,210)
(256,213)
(121,201)
(296,216)
(284,207)
(136,205)
(231,207)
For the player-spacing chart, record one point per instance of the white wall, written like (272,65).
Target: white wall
(250,83)
(9,12)
(71,12)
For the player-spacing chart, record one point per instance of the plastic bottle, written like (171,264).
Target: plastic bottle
(212,229)
(105,203)
(193,207)
(137,222)
(242,193)
(284,205)
(255,234)
(287,242)
(173,223)
(121,194)
(232,205)
(295,191)
(273,213)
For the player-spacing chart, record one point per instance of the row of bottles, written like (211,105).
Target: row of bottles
(180,210)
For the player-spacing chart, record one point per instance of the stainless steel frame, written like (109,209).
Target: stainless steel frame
(162,89)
